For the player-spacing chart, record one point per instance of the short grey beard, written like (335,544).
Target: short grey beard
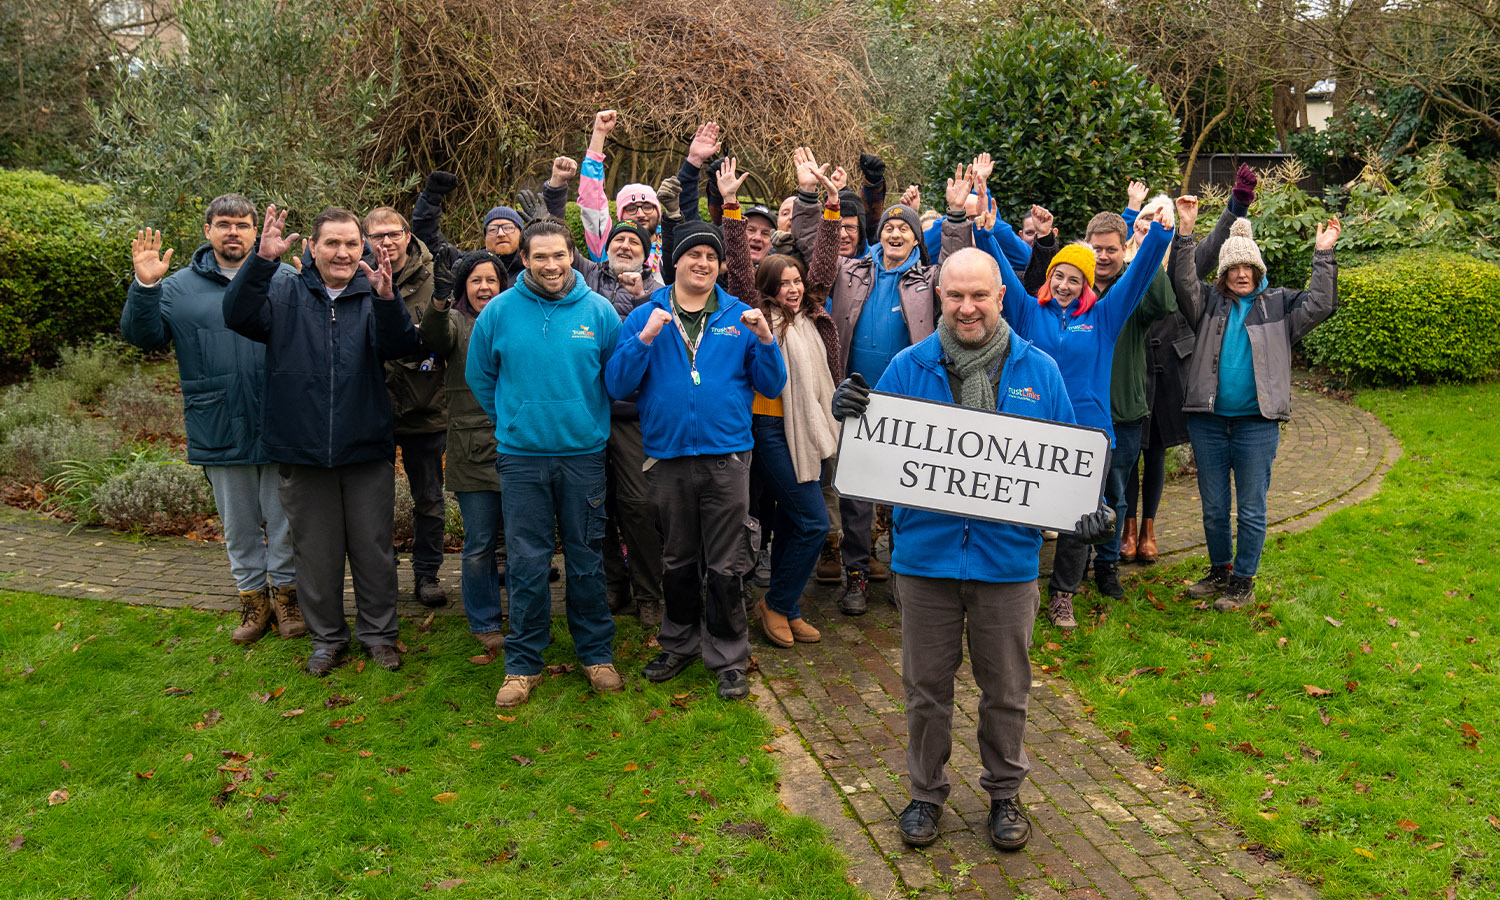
(620,268)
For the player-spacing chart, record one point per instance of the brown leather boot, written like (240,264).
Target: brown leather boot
(774,624)
(1127,542)
(289,623)
(1145,548)
(802,632)
(831,563)
(878,570)
(255,616)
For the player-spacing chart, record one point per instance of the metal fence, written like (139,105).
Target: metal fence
(1219,168)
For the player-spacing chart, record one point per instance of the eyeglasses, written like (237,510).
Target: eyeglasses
(223,225)
(501,228)
(387,236)
(848,229)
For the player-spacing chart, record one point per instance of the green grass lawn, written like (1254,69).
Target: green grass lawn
(1349,721)
(195,768)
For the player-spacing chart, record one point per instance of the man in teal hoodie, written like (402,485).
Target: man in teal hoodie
(536,364)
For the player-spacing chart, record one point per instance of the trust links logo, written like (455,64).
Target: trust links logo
(1025,393)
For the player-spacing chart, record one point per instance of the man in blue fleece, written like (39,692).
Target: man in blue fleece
(697,356)
(536,364)
(950,569)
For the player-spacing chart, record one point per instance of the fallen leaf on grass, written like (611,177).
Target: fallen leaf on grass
(1323,716)
(291,713)
(620,831)
(394,697)
(653,715)
(600,845)
(216,839)
(397,770)
(1208,699)
(210,719)
(1363,852)
(61,796)
(521,759)
(445,797)
(505,718)
(451,882)
(1147,670)
(268,696)
(1408,825)
(146,775)
(1494,822)
(630,767)
(84,641)
(1334,622)
(1315,691)
(769,749)
(1365,648)
(1248,749)
(1351,686)
(1270,792)
(1435,845)
(482,659)
(176,691)
(266,851)
(337,700)
(560,669)
(703,795)
(426,625)
(366,754)
(16,841)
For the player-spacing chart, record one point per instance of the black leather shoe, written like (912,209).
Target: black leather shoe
(918,823)
(1009,826)
(386,657)
(324,660)
(666,666)
(1107,579)
(855,599)
(732,685)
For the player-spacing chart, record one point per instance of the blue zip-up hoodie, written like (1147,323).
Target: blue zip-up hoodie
(326,403)
(1083,346)
(938,545)
(679,418)
(537,368)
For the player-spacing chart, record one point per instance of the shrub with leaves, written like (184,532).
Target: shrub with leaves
(34,453)
(1066,118)
(146,490)
(139,407)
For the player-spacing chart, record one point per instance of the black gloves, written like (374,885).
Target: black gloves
(852,398)
(532,206)
(441,183)
(442,286)
(711,182)
(1092,528)
(872,168)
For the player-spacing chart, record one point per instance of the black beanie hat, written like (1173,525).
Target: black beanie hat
(912,220)
(631,227)
(693,233)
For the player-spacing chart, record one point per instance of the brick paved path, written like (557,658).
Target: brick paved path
(1106,826)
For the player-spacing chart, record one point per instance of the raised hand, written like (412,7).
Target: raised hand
(958,187)
(1162,217)
(659,317)
(755,320)
(912,197)
(605,121)
(1244,185)
(705,144)
(1043,220)
(986,217)
(1135,193)
(872,168)
(851,398)
(441,183)
(381,281)
(145,252)
(831,191)
(729,180)
(272,242)
(564,170)
(1328,234)
(983,166)
(1187,213)
(631,281)
(840,178)
(806,165)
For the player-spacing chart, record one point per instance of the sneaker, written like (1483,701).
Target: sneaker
(1009,826)
(324,660)
(732,685)
(516,690)
(666,666)
(1237,592)
(255,616)
(763,567)
(289,621)
(428,593)
(386,657)
(855,601)
(918,823)
(604,678)
(1210,585)
(1107,579)
(1060,610)
(830,564)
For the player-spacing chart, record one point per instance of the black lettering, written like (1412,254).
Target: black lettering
(932,478)
(863,431)
(951,433)
(997,450)
(956,482)
(910,427)
(978,445)
(1022,457)
(927,444)
(980,482)
(1081,463)
(1026,491)
(1002,486)
(907,472)
(1059,457)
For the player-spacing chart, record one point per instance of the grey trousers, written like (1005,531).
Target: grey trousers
(634,521)
(999,619)
(701,504)
(256,533)
(344,512)
(857,518)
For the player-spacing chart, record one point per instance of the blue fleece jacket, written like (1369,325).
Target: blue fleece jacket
(679,418)
(881,332)
(1084,346)
(938,545)
(1236,392)
(537,368)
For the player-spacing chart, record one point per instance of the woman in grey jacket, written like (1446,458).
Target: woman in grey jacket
(1239,387)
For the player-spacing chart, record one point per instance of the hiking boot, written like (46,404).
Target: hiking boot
(1127,542)
(649,612)
(1009,826)
(732,685)
(289,622)
(324,660)
(1210,585)
(855,601)
(1237,592)
(1060,610)
(1145,548)
(918,823)
(830,563)
(803,632)
(386,657)
(1107,579)
(428,593)
(516,690)
(255,616)
(763,567)
(878,570)
(492,641)
(666,666)
(604,678)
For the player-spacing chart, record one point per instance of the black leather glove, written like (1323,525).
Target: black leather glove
(441,183)
(1093,527)
(711,182)
(872,168)
(532,206)
(851,398)
(442,286)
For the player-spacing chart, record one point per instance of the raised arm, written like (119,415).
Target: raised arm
(141,321)
(1206,257)
(1305,310)
(593,203)
(1046,247)
(805,207)
(438,331)
(872,170)
(555,189)
(1186,285)
(427,214)
(823,264)
(736,251)
(247,301)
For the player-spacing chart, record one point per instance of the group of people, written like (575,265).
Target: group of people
(665,399)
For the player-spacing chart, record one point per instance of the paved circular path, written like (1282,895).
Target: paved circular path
(1107,827)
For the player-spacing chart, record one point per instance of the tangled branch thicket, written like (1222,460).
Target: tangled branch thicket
(493,90)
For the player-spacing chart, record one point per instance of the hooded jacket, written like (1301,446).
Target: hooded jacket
(222,373)
(939,545)
(469,456)
(678,417)
(326,403)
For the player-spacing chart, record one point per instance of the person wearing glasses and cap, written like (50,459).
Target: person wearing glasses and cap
(502,228)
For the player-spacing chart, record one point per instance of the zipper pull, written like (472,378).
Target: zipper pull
(333,312)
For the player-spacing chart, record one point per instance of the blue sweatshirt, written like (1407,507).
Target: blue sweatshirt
(939,545)
(1084,346)
(537,368)
(881,332)
(679,418)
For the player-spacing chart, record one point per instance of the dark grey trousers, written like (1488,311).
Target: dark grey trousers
(857,518)
(701,504)
(999,618)
(343,512)
(633,520)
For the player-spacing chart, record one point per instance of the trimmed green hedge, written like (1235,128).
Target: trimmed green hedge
(1413,316)
(62,274)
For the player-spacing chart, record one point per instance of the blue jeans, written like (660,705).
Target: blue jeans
(1244,446)
(1127,448)
(544,497)
(801,518)
(481,571)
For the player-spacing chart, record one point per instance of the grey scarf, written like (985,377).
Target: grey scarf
(536,287)
(975,371)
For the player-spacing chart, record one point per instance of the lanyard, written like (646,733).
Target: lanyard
(691,346)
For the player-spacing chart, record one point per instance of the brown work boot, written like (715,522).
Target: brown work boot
(516,690)
(1145,549)
(878,570)
(255,616)
(492,641)
(1127,542)
(289,622)
(604,678)
(803,632)
(831,563)
(774,624)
